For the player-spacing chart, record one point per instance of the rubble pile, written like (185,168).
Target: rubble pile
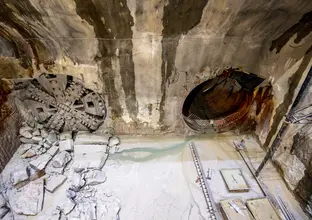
(45,161)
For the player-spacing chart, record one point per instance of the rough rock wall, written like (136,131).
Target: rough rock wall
(294,155)
(9,125)
(146,56)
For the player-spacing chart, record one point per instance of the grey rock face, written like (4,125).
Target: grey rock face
(54,181)
(27,200)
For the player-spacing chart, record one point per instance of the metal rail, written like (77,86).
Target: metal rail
(211,206)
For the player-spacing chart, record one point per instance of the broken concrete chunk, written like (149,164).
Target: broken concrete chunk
(27,141)
(29,154)
(89,156)
(52,137)
(2,201)
(61,159)
(67,207)
(46,146)
(3,211)
(41,162)
(25,132)
(23,148)
(94,177)
(19,176)
(77,181)
(113,141)
(36,132)
(44,133)
(27,200)
(37,139)
(53,150)
(66,145)
(66,135)
(54,181)
(39,126)
(83,138)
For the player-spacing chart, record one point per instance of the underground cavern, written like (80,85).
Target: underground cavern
(155,109)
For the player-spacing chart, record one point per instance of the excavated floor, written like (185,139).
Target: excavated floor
(155,177)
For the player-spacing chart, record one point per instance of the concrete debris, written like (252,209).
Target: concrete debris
(2,201)
(85,138)
(44,133)
(61,159)
(71,195)
(47,146)
(41,162)
(89,156)
(27,200)
(3,211)
(87,211)
(113,141)
(52,137)
(53,151)
(66,135)
(27,141)
(39,126)
(77,182)
(25,132)
(66,145)
(19,176)
(36,132)
(54,181)
(108,207)
(51,214)
(29,154)
(23,148)
(36,139)
(67,207)
(94,177)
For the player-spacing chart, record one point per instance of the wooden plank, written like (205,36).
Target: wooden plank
(261,209)
(235,181)
(235,209)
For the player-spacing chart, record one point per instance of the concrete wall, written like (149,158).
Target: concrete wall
(146,56)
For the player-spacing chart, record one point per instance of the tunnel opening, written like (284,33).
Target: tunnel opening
(226,102)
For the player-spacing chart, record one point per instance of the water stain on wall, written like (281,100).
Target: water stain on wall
(180,16)
(112,24)
(282,109)
(303,28)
